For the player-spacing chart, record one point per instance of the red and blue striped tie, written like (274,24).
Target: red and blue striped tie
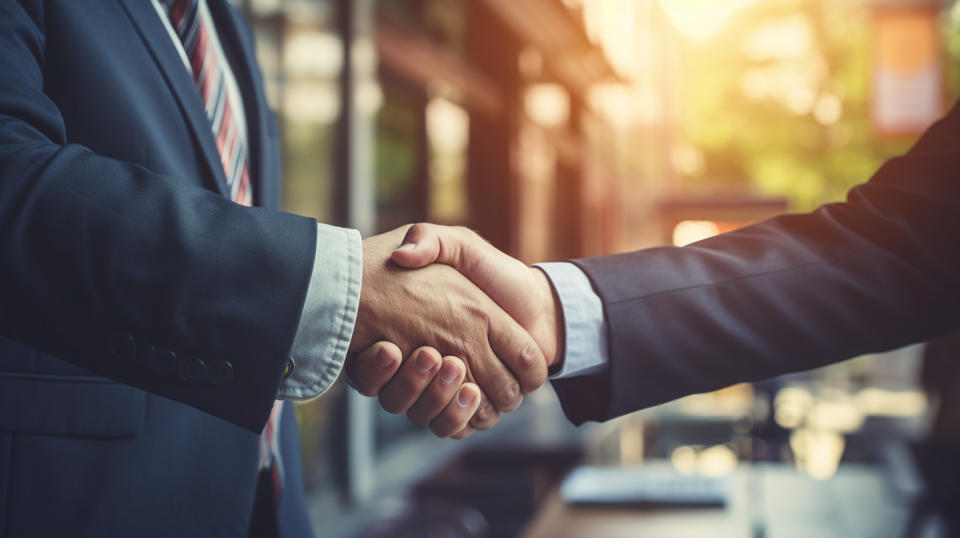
(193,26)
(192,23)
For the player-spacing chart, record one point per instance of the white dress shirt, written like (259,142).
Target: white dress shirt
(585,330)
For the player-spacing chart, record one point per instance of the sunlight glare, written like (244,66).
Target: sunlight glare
(691,231)
(613,25)
(789,38)
(702,20)
(828,110)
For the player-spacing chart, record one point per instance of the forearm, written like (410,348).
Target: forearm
(792,293)
(788,294)
(95,250)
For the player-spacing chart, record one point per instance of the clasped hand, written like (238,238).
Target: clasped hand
(450,330)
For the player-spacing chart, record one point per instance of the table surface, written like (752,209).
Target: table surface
(767,500)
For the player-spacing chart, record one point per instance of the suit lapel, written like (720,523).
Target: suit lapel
(158,41)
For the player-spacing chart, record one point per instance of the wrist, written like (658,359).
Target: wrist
(360,340)
(551,327)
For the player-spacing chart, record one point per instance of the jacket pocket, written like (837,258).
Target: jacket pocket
(72,406)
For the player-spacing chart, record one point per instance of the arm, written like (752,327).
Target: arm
(124,272)
(168,287)
(789,294)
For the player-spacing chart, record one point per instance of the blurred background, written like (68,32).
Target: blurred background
(566,128)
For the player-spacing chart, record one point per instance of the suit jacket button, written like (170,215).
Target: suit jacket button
(123,346)
(220,372)
(191,369)
(161,361)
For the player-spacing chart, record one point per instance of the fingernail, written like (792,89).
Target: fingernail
(448,375)
(425,362)
(465,398)
(406,246)
(384,359)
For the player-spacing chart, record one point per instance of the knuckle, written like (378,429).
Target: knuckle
(509,395)
(485,417)
(529,356)
(461,347)
(419,229)
(532,368)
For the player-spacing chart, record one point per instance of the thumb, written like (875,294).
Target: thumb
(504,279)
(420,247)
(465,251)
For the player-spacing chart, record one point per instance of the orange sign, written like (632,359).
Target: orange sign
(907,77)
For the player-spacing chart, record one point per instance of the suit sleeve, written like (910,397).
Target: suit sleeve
(792,293)
(133,275)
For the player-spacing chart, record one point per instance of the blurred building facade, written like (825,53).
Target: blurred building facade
(567,128)
(474,113)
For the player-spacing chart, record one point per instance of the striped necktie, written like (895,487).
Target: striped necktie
(192,23)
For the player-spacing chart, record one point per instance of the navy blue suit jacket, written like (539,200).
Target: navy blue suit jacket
(874,273)
(144,318)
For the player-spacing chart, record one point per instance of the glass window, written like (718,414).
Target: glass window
(399,159)
(448,136)
(442,21)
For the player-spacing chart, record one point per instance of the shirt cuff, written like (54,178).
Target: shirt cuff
(585,340)
(329,313)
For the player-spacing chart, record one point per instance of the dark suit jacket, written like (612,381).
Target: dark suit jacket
(137,303)
(792,293)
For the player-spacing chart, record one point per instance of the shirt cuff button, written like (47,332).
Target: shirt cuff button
(288,368)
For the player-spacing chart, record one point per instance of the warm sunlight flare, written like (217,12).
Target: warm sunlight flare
(691,231)
(702,19)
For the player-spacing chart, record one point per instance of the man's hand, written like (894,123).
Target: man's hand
(523,292)
(439,307)
(427,388)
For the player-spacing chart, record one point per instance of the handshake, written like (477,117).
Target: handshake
(450,330)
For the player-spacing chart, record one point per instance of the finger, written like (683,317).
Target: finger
(486,416)
(463,434)
(456,416)
(500,388)
(459,247)
(518,351)
(441,390)
(415,374)
(373,367)
(420,246)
